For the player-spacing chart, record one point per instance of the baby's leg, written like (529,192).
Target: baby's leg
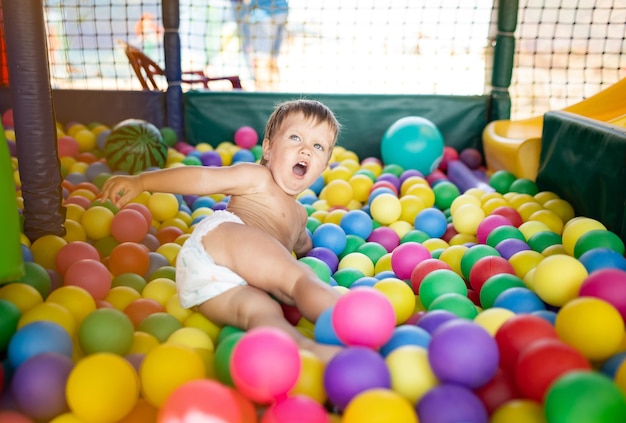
(265,264)
(247,307)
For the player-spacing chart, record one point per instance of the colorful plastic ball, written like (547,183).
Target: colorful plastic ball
(311,378)
(406,256)
(321,266)
(608,285)
(377,405)
(357,222)
(97,222)
(295,408)
(330,236)
(518,411)
(432,320)
(386,237)
(36,384)
(486,267)
(129,257)
(467,218)
(602,258)
(496,285)
(545,239)
(324,331)
(246,137)
(91,275)
(38,337)
(472,255)
(72,252)
(463,353)
(450,403)
(580,396)
(440,282)
(406,334)
(413,142)
(222,357)
(423,268)
(501,181)
(352,371)
(129,225)
(386,208)
(400,295)
(338,192)
(598,239)
(363,317)
(265,364)
(102,387)
(509,247)
(542,362)
(160,324)
(106,330)
(575,228)
(411,374)
(519,300)
(592,326)
(8,324)
(432,221)
(557,279)
(357,261)
(141,308)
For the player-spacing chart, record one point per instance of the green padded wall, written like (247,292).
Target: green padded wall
(214,117)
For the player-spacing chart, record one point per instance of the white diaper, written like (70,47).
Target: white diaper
(198,278)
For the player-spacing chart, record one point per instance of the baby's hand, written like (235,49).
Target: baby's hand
(121,189)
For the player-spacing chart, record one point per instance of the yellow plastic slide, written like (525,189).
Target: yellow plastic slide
(516,145)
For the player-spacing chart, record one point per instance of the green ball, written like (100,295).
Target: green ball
(524,186)
(544,239)
(168,272)
(504,232)
(318,266)
(457,304)
(106,330)
(169,136)
(496,285)
(598,238)
(312,223)
(440,282)
(257,152)
(131,280)
(394,169)
(226,331)
(160,325)
(8,323)
(191,161)
(445,193)
(345,277)
(501,181)
(353,243)
(223,354)
(367,173)
(373,250)
(473,254)
(38,277)
(584,397)
(415,236)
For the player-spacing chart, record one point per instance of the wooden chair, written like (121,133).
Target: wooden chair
(145,69)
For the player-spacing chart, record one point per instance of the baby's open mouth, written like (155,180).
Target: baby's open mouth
(300,168)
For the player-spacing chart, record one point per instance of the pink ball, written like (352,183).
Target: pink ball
(265,364)
(298,408)
(607,284)
(488,224)
(406,256)
(386,237)
(363,317)
(246,137)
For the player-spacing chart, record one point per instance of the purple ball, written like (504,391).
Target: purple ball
(386,237)
(435,318)
(211,158)
(326,255)
(508,247)
(463,353)
(471,157)
(410,172)
(448,403)
(352,371)
(38,385)
(390,177)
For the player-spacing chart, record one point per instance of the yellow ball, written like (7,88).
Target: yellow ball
(311,379)
(86,140)
(551,219)
(433,244)
(411,181)
(159,290)
(411,374)
(45,250)
(357,261)
(143,342)
(159,378)
(558,278)
(411,206)
(97,222)
(74,231)
(519,411)
(424,193)
(163,206)
(337,173)
(386,208)
(490,205)
(531,227)
(575,229)
(120,296)
(75,299)
(338,192)
(467,218)
(50,312)
(335,216)
(620,377)
(528,208)
(400,295)
(592,326)
(21,295)
(173,307)
(492,318)
(452,257)
(169,250)
(361,185)
(383,264)
(462,239)
(191,337)
(374,167)
(401,227)
(525,261)
(379,405)
(561,207)
(462,200)
(102,387)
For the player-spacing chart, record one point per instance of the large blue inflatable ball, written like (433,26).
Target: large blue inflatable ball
(413,142)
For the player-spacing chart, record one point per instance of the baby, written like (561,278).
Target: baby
(238,261)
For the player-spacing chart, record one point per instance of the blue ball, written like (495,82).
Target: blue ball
(324,332)
(413,142)
(243,155)
(330,236)
(357,222)
(431,221)
(602,258)
(368,281)
(406,335)
(317,186)
(38,337)
(548,315)
(519,300)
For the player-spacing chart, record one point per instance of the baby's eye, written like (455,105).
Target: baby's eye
(319,147)
(295,137)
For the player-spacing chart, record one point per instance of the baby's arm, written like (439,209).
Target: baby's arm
(304,243)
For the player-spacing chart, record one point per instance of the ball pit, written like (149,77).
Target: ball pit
(99,304)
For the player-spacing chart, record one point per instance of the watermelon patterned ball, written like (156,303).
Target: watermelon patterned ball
(134,146)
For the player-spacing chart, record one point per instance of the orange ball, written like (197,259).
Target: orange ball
(168,234)
(141,308)
(129,257)
(129,225)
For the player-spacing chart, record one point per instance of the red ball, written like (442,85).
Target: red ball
(542,362)
(141,208)
(73,252)
(500,389)
(168,234)
(449,154)
(129,257)
(67,146)
(518,332)
(383,184)
(129,225)
(7,119)
(486,267)
(449,233)
(510,213)
(423,268)
(91,275)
